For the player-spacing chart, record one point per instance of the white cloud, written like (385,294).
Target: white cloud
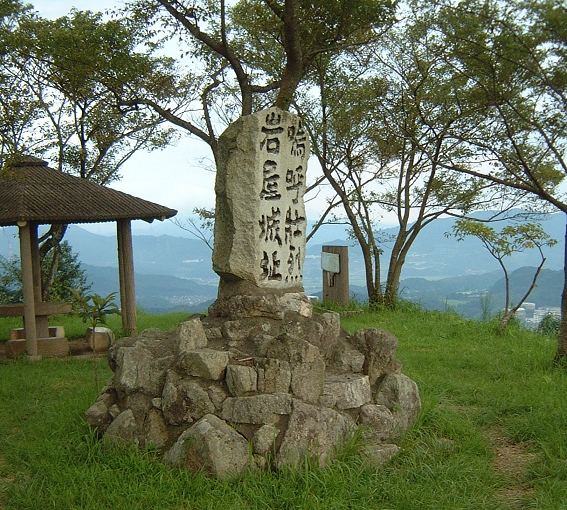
(58,8)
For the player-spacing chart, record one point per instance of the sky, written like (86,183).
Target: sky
(174,177)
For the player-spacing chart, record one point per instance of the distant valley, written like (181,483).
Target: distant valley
(175,273)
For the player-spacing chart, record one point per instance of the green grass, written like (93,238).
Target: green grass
(472,383)
(75,327)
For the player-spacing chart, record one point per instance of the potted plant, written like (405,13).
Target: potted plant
(94,309)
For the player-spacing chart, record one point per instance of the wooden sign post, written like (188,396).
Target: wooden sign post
(334,263)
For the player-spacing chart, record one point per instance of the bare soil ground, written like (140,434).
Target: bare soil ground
(511,461)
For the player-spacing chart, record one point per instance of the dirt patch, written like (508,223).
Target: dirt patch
(511,461)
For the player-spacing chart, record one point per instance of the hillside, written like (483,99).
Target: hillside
(155,293)
(491,434)
(174,272)
(469,294)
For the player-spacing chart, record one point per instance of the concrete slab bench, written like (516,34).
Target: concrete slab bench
(51,342)
(51,347)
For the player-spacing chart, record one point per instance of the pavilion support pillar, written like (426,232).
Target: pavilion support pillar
(126,275)
(28,287)
(36,262)
(41,321)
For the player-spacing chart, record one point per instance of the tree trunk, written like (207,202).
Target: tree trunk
(509,314)
(374,291)
(397,260)
(294,65)
(51,273)
(505,320)
(51,241)
(393,282)
(373,287)
(507,287)
(561,354)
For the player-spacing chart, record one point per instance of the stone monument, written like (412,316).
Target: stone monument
(260,224)
(261,381)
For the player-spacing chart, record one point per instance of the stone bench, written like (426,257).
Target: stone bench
(51,343)
(54,332)
(51,347)
(55,346)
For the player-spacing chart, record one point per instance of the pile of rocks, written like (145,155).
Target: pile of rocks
(261,380)
(262,387)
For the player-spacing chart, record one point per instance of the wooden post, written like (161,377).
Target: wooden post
(41,321)
(126,275)
(36,262)
(334,263)
(28,288)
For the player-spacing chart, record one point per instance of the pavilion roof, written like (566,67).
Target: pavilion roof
(31,191)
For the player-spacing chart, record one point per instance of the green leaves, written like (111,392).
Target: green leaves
(514,56)
(511,239)
(282,40)
(93,308)
(68,273)
(69,72)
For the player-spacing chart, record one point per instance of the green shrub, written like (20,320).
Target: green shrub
(549,325)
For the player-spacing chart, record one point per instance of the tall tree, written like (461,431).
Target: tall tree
(514,57)
(383,125)
(65,111)
(251,54)
(66,66)
(17,111)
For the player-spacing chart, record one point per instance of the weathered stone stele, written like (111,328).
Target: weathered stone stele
(261,380)
(260,214)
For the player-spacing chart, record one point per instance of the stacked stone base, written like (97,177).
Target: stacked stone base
(255,384)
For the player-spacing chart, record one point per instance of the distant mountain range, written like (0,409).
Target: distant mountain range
(155,293)
(468,294)
(175,273)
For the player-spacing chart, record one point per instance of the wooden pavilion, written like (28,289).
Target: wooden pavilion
(33,194)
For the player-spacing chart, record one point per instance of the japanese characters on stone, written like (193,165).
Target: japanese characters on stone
(282,224)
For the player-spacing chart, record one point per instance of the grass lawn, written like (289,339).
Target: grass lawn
(491,434)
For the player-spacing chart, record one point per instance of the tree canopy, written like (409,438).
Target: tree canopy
(248,55)
(58,82)
(66,71)
(513,58)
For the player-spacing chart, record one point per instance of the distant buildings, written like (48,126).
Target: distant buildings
(531,316)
